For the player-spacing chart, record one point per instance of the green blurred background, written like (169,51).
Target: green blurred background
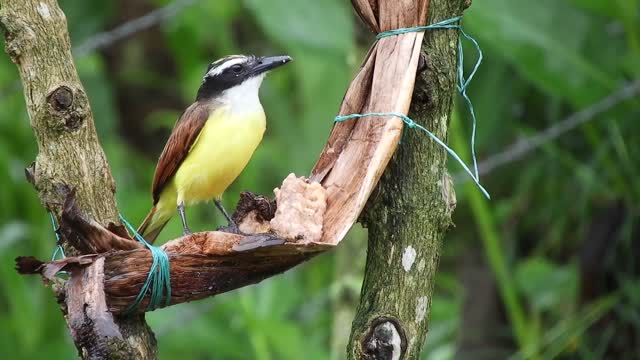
(548,268)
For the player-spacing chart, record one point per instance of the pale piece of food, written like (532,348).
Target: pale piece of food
(300,212)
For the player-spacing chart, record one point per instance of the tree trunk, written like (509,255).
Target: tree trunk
(409,213)
(69,157)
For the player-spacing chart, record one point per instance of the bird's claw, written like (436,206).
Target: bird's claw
(232,228)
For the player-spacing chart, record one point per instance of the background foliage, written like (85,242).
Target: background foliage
(548,268)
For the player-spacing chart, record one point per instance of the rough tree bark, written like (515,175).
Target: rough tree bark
(70,156)
(409,213)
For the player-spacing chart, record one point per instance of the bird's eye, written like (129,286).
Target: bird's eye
(237,68)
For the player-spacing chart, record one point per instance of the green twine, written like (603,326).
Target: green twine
(159,279)
(59,249)
(413,125)
(453,23)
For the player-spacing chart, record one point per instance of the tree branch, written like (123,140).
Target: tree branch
(526,145)
(69,156)
(154,17)
(409,213)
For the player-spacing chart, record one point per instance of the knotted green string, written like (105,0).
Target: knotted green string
(453,23)
(159,279)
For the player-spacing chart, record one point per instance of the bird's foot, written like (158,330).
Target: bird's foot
(186,232)
(257,241)
(232,228)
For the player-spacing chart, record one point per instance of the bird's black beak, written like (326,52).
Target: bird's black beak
(265,64)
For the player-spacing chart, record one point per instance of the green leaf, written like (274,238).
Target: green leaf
(545,284)
(544,41)
(607,8)
(322,24)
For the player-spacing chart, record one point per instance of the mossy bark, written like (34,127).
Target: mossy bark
(409,213)
(69,153)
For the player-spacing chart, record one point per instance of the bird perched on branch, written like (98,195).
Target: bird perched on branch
(212,141)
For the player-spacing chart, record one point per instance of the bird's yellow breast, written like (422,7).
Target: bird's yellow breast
(221,151)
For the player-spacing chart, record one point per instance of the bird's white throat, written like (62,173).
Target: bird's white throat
(244,98)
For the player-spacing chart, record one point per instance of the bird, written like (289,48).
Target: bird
(211,142)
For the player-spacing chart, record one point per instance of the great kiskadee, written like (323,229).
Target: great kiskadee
(212,141)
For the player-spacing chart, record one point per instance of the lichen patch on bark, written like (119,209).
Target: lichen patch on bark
(421,308)
(43,10)
(408,258)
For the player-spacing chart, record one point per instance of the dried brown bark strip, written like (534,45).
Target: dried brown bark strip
(358,150)
(91,325)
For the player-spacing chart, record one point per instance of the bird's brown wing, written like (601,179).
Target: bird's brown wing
(182,137)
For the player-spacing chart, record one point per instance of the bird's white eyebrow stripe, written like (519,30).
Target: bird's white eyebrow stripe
(225,65)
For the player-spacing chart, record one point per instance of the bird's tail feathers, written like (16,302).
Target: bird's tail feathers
(152,225)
